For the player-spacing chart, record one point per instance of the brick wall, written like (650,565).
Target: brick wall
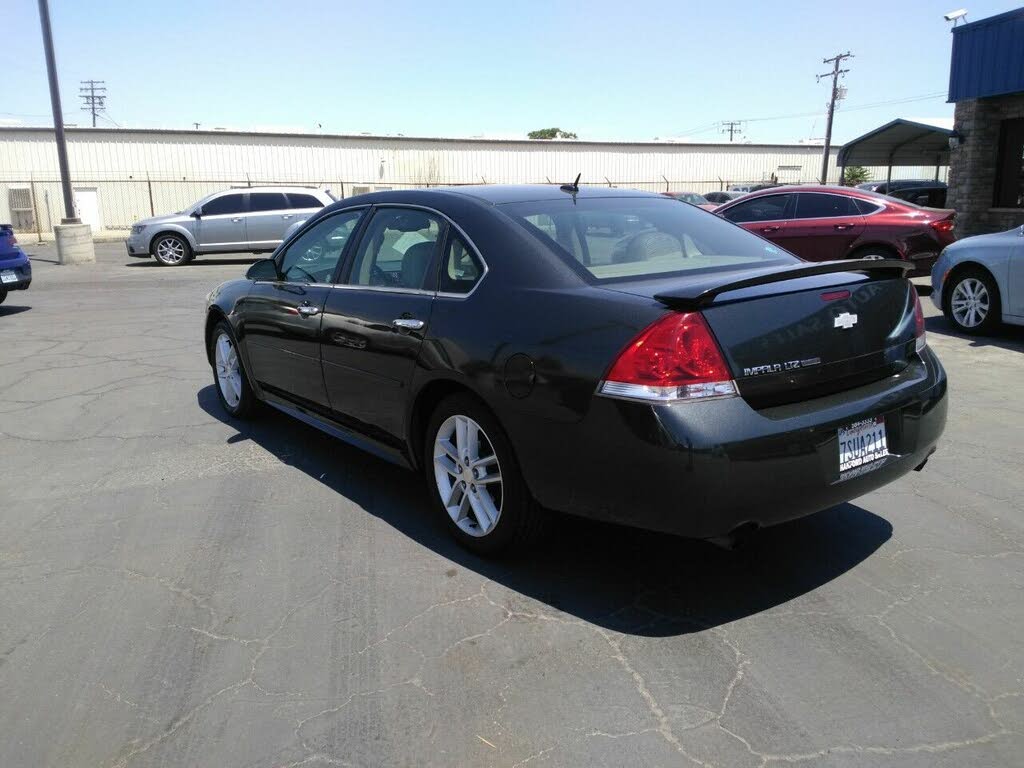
(972,167)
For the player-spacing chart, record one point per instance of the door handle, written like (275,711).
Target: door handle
(307,310)
(407,323)
(770,229)
(842,227)
(287,215)
(235,221)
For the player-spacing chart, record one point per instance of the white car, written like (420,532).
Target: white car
(978,282)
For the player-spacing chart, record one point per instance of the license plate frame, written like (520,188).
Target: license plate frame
(861,447)
(8,276)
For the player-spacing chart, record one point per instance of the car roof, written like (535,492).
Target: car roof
(494,194)
(274,188)
(826,188)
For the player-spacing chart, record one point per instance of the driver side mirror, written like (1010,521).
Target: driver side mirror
(264,269)
(197,213)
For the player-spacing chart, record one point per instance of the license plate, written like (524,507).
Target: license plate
(861,445)
(7,276)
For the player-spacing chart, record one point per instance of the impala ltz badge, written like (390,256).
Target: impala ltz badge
(845,321)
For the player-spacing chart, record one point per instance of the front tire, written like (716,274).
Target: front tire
(474,479)
(972,302)
(232,385)
(171,250)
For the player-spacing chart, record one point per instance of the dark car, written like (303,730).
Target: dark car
(929,195)
(693,199)
(15,267)
(888,187)
(684,376)
(720,197)
(821,223)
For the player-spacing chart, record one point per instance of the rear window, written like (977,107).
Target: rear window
(621,238)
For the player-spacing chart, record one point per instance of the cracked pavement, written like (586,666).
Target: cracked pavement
(178,589)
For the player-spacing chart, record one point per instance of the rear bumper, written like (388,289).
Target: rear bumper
(704,469)
(22,269)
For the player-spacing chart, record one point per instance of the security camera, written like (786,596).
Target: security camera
(955,15)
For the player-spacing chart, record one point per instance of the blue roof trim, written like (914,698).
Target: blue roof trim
(988,57)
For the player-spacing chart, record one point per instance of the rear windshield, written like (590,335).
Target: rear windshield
(622,238)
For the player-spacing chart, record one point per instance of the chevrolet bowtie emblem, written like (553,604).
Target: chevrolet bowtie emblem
(845,321)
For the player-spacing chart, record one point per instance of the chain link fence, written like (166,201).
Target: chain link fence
(113,205)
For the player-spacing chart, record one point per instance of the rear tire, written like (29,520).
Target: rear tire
(229,377)
(171,250)
(484,500)
(874,252)
(972,302)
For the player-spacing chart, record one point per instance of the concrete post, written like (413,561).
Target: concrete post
(74,244)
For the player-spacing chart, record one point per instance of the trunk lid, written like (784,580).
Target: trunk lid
(802,331)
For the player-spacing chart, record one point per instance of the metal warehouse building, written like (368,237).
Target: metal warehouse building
(122,175)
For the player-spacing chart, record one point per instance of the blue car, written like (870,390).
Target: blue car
(15,268)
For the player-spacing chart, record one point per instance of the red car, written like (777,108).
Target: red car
(821,223)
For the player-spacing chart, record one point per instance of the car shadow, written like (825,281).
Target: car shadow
(1005,337)
(199,262)
(624,580)
(12,309)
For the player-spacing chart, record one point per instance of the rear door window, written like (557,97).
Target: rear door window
(767,208)
(821,206)
(267,201)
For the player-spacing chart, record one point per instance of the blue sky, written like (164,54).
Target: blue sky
(606,70)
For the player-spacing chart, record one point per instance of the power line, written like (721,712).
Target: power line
(93,94)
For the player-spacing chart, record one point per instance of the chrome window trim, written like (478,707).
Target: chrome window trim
(435,293)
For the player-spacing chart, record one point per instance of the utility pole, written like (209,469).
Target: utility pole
(731,127)
(835,61)
(93,94)
(58,115)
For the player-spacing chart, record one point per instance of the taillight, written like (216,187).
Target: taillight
(919,332)
(943,226)
(676,358)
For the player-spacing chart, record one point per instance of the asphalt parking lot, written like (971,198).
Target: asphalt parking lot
(178,589)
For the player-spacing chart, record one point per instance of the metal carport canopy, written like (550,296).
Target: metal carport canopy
(899,143)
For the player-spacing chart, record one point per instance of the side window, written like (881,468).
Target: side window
(864,207)
(296,200)
(398,249)
(266,201)
(768,208)
(461,269)
(224,204)
(313,256)
(811,206)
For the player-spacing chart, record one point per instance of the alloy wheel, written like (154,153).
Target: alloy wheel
(229,375)
(969,302)
(468,475)
(170,250)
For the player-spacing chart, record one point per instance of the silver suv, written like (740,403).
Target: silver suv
(253,219)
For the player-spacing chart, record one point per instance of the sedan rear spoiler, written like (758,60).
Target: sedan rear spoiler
(700,293)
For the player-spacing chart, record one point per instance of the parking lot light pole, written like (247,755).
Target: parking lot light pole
(74,239)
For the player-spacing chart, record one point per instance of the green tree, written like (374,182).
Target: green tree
(552,133)
(856,174)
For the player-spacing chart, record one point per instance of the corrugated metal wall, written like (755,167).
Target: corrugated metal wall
(988,57)
(139,171)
